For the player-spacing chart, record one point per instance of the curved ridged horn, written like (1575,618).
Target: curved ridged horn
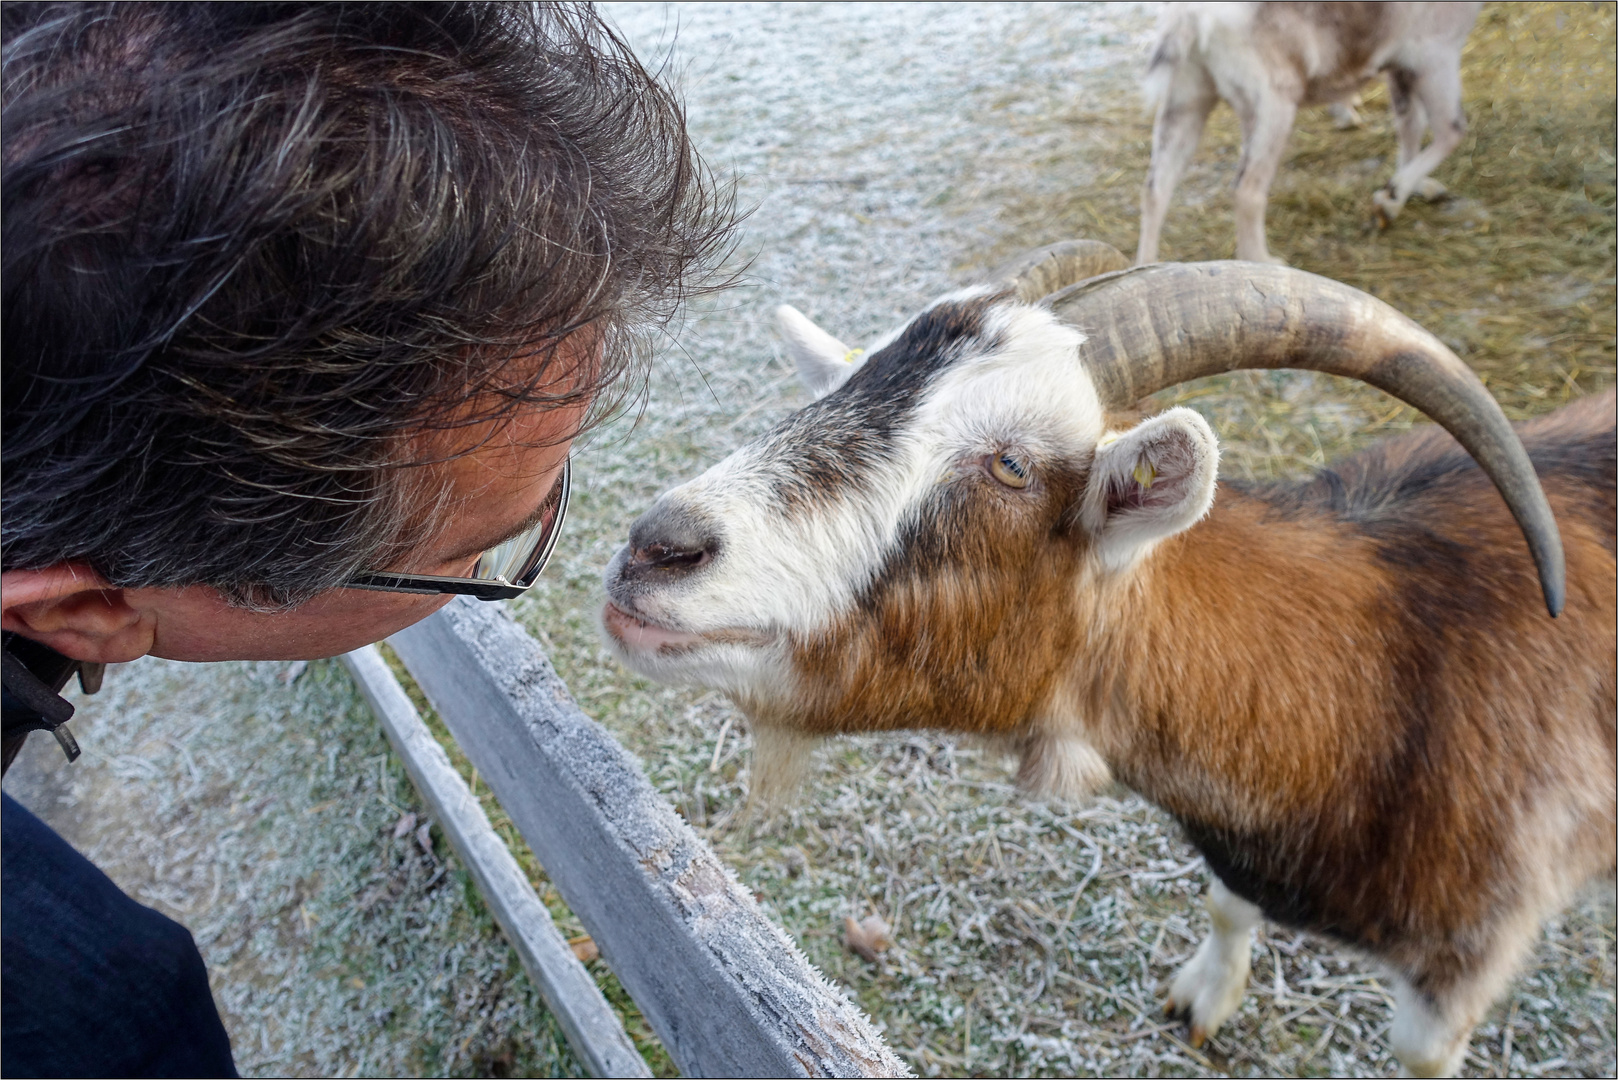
(1038,273)
(1152,327)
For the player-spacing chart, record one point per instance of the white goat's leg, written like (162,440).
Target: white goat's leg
(1211,985)
(1411,119)
(1438,92)
(1266,123)
(1189,99)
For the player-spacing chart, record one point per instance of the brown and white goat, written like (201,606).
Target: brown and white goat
(1347,690)
(1269,59)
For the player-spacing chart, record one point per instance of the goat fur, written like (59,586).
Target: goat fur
(1267,60)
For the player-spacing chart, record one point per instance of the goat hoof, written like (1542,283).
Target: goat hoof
(1431,190)
(1384,209)
(1198,1037)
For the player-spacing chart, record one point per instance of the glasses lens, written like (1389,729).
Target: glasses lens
(503,571)
(520,559)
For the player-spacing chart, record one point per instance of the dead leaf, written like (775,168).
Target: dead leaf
(424,837)
(869,937)
(405,825)
(584,947)
(294,671)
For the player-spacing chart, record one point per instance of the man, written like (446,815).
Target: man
(303,307)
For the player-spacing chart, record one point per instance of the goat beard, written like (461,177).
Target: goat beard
(1063,767)
(1059,767)
(781,758)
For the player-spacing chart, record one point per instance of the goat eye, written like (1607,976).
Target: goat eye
(1010,470)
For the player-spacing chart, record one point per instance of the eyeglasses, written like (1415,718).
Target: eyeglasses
(505,571)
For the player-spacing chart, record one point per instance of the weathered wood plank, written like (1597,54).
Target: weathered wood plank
(726,990)
(592,1027)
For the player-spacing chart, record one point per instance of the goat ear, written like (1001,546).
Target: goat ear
(824,363)
(1154,480)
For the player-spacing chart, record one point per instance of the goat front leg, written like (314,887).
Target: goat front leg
(1433,96)
(1189,99)
(1210,987)
(1423,1038)
(1433,1017)
(1266,123)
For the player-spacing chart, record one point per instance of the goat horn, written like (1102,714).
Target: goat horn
(1038,273)
(1152,327)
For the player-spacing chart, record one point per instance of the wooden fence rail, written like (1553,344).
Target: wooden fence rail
(590,1024)
(724,988)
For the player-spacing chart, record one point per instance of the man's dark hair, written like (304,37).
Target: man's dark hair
(251,249)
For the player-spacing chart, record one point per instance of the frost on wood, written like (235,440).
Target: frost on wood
(592,1028)
(726,989)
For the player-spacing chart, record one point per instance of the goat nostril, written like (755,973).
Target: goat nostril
(674,558)
(671,539)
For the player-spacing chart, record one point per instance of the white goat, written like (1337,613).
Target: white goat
(1267,60)
(1347,691)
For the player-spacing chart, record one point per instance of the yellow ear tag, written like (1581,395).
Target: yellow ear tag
(1108,439)
(1145,475)
(848,357)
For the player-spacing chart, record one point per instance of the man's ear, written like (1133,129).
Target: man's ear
(72,609)
(824,363)
(1154,480)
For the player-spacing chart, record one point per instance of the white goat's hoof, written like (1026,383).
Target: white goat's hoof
(1209,988)
(1385,208)
(1431,190)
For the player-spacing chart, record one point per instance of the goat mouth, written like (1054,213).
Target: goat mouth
(640,633)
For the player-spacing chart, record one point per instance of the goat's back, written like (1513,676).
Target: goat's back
(1427,475)
(1315,52)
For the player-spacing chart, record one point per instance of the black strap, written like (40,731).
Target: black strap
(32,675)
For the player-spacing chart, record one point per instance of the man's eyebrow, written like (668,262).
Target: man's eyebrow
(478,547)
